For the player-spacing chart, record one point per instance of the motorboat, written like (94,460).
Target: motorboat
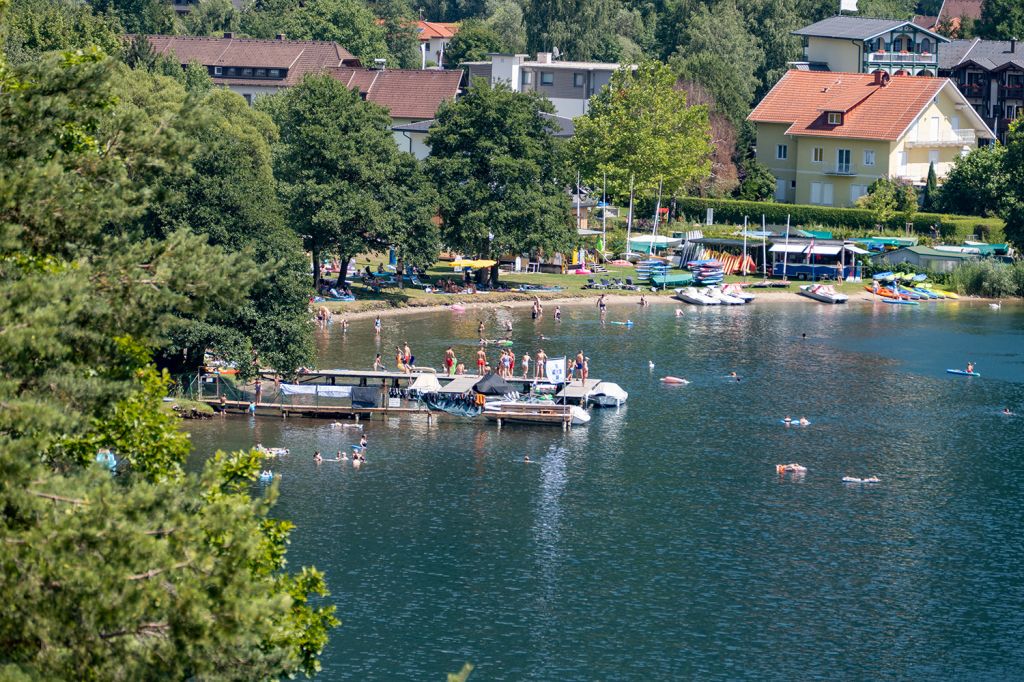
(737,290)
(535,412)
(825,293)
(607,394)
(726,299)
(695,296)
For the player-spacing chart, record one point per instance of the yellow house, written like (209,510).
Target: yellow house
(827,136)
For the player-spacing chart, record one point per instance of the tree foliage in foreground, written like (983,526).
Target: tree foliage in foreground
(495,163)
(152,573)
(347,187)
(640,130)
(976,185)
(1013,165)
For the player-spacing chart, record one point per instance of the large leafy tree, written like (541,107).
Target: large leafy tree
(720,53)
(152,574)
(472,43)
(1001,20)
(139,16)
(641,132)
(1013,170)
(399,21)
(976,184)
(211,17)
(346,185)
(580,31)
(37,26)
(495,162)
(350,23)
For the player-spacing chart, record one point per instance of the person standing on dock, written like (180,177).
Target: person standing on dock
(526,365)
(449,361)
(258,386)
(578,367)
(399,359)
(410,359)
(585,371)
(481,361)
(541,365)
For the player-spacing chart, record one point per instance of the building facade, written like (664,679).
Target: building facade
(858,45)
(827,136)
(434,37)
(990,74)
(568,85)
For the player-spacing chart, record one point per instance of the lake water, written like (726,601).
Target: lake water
(658,542)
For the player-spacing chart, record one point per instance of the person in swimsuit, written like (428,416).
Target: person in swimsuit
(449,361)
(378,364)
(1006,410)
(317,458)
(481,361)
(480,329)
(803,421)
(399,359)
(601,305)
(376,325)
(541,365)
(970,370)
(526,365)
(558,313)
(586,369)
(578,368)
(460,368)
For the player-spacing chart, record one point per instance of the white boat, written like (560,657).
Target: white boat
(737,290)
(692,295)
(823,292)
(535,412)
(607,394)
(726,299)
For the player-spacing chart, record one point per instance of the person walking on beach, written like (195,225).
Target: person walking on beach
(540,365)
(481,361)
(526,365)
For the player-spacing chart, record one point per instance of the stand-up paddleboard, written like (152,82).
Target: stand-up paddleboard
(673,380)
(963,372)
(624,324)
(899,301)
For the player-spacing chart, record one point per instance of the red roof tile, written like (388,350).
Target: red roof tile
(436,29)
(404,93)
(299,57)
(954,9)
(872,112)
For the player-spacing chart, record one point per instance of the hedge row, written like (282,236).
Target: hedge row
(733,211)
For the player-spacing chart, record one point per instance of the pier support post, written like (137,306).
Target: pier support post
(499,424)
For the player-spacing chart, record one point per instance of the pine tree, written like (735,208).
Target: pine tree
(931,189)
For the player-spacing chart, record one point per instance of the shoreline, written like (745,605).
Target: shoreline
(653,299)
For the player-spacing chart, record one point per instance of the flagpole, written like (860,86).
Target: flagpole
(785,255)
(657,215)
(604,216)
(744,246)
(764,248)
(629,219)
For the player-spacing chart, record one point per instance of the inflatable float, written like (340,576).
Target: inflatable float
(853,479)
(457,308)
(673,380)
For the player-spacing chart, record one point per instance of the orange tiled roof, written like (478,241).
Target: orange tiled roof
(436,29)
(404,93)
(871,112)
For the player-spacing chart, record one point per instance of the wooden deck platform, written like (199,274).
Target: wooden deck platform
(534,413)
(577,390)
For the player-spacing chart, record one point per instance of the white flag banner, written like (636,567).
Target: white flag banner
(317,390)
(555,370)
(847,5)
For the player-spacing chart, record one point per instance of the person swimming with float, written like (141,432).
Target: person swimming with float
(788,420)
(803,421)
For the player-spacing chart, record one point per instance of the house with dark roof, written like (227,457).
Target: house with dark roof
(990,74)
(827,136)
(254,68)
(860,45)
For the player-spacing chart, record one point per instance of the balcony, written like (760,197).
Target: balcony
(902,58)
(839,169)
(972,89)
(1015,91)
(945,138)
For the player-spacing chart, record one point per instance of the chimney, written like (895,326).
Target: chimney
(878,77)
(543,57)
(280,36)
(1013,45)
(379,63)
(229,35)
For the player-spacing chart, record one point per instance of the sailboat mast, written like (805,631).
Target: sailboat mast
(785,254)
(629,219)
(744,246)
(657,215)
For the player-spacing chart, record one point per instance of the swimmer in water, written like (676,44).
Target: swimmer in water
(526,459)
(733,375)
(788,420)
(317,458)
(679,312)
(803,421)
(1006,411)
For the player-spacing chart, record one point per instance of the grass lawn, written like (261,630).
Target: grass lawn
(572,287)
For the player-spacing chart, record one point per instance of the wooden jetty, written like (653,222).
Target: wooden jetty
(532,413)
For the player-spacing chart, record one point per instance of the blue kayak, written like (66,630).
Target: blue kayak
(899,301)
(963,372)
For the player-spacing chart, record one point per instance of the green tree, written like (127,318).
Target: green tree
(1013,168)
(757,184)
(495,163)
(37,26)
(887,9)
(931,189)
(719,52)
(139,16)
(211,17)
(505,18)
(350,23)
(1001,20)
(976,184)
(472,43)
(152,573)
(580,31)
(772,23)
(640,131)
(889,198)
(346,185)
(400,32)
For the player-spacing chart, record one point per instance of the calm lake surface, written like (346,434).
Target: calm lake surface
(658,542)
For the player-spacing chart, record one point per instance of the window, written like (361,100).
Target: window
(246,73)
(933,156)
(274,73)
(843,161)
(1011,111)
(821,193)
(527,77)
(819,155)
(547,78)
(856,192)
(261,73)
(232,71)
(579,80)
(792,184)
(869,157)
(217,70)
(835,118)
(782,152)
(926,46)
(428,47)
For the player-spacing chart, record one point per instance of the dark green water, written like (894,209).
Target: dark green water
(658,542)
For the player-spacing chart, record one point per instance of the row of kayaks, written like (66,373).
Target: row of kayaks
(730,294)
(906,288)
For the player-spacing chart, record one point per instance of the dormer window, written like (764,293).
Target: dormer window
(835,118)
